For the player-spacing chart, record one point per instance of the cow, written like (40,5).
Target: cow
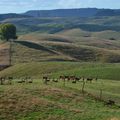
(62,77)
(110,103)
(10,79)
(74,81)
(89,79)
(77,78)
(55,80)
(2,80)
(22,80)
(46,79)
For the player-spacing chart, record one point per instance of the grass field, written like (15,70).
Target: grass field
(38,101)
(55,69)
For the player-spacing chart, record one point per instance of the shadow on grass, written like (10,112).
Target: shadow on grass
(35,46)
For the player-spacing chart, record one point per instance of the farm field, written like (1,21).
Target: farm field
(37,101)
(56,100)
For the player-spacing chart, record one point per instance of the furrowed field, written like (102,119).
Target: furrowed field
(59,100)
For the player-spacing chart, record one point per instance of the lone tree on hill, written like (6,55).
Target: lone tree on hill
(8,32)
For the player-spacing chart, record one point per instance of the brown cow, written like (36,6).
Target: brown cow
(89,79)
(2,80)
(55,80)
(110,103)
(46,79)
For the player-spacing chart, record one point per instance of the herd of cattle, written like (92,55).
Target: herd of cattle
(73,79)
(46,79)
(8,80)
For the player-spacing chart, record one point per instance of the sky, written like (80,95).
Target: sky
(21,6)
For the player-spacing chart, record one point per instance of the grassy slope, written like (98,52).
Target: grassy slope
(4,53)
(25,51)
(69,45)
(79,45)
(37,70)
(38,101)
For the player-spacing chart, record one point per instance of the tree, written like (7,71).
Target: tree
(7,31)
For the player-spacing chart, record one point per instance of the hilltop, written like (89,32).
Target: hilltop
(80,12)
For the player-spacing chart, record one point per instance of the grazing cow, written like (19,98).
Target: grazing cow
(110,103)
(77,78)
(2,80)
(89,79)
(70,78)
(10,79)
(62,77)
(67,78)
(29,80)
(96,78)
(46,79)
(83,78)
(74,81)
(55,80)
(22,80)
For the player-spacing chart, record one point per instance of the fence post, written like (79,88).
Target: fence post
(83,87)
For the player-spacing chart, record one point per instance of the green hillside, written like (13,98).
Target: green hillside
(69,45)
(79,45)
(57,100)
(38,70)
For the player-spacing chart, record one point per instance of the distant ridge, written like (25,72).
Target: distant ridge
(12,15)
(81,12)
(78,12)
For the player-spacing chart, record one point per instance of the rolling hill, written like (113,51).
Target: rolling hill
(67,45)
(80,45)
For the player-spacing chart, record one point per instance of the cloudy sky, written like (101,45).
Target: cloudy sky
(19,6)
